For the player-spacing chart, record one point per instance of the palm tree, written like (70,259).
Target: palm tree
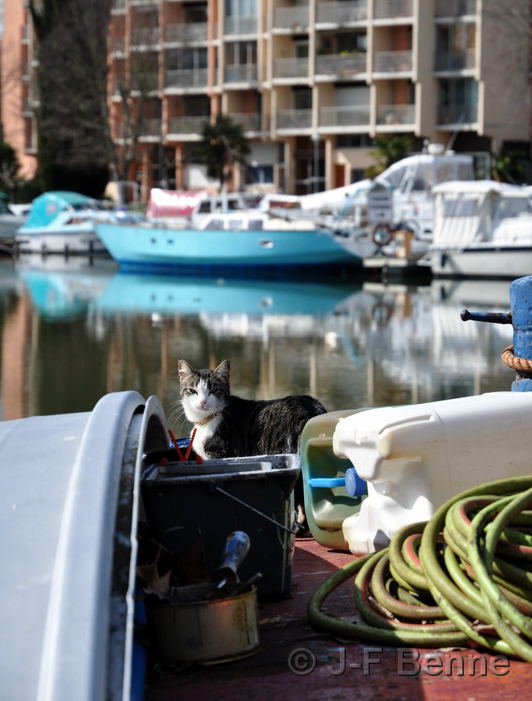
(388,150)
(222,145)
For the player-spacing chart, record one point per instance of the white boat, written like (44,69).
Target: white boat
(238,242)
(61,222)
(410,181)
(482,228)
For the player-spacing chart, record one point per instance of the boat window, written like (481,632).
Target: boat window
(255,224)
(460,207)
(422,181)
(444,172)
(465,172)
(214,224)
(236,224)
(393,177)
(512,207)
(204,207)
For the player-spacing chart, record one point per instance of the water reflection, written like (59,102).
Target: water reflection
(72,333)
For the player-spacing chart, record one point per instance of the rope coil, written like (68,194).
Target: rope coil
(514,361)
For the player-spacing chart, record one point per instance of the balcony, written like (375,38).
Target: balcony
(185,33)
(145,36)
(144,82)
(185,79)
(240,25)
(456,61)
(457,114)
(341,12)
(290,18)
(294,119)
(356,116)
(245,73)
(249,121)
(150,128)
(290,68)
(392,9)
(341,66)
(396,115)
(118,45)
(188,125)
(392,62)
(454,8)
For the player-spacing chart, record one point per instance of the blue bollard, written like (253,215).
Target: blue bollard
(521,319)
(521,305)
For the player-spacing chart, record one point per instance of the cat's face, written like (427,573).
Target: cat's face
(203,392)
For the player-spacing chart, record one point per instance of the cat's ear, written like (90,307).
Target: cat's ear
(184,370)
(223,369)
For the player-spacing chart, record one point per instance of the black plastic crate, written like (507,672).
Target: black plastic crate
(191,507)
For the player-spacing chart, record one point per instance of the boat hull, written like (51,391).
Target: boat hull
(138,247)
(83,240)
(489,261)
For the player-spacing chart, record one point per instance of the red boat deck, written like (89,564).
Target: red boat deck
(343,669)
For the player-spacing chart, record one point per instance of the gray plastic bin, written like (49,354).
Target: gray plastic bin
(192,506)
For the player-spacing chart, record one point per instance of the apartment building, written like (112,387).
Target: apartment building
(312,82)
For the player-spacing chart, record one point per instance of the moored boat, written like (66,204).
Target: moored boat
(61,222)
(482,229)
(239,242)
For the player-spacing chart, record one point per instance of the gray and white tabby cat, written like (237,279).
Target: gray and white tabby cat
(229,426)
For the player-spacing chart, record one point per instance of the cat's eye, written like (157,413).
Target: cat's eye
(189,390)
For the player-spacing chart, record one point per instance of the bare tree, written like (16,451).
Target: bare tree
(72,117)
(136,107)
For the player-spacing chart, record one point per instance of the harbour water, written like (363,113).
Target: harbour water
(71,332)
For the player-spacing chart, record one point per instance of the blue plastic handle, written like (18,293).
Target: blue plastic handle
(354,485)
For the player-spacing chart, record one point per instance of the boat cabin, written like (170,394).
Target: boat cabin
(480,211)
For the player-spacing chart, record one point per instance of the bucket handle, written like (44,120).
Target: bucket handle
(252,508)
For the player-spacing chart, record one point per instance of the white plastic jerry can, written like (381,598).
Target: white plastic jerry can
(416,457)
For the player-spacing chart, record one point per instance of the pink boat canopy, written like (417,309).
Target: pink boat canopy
(173,203)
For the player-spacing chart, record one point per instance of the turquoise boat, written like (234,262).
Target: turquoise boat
(240,242)
(61,222)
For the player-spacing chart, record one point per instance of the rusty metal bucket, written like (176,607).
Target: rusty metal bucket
(208,631)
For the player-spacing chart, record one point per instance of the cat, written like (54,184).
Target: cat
(228,426)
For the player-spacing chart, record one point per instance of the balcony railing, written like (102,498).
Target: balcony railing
(150,127)
(294,119)
(186,78)
(342,66)
(290,68)
(145,82)
(456,61)
(390,9)
(290,17)
(187,124)
(248,121)
(240,25)
(356,116)
(246,73)
(457,114)
(183,33)
(145,36)
(391,115)
(341,12)
(452,8)
(392,61)
(118,45)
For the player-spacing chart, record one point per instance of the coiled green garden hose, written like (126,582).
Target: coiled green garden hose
(464,576)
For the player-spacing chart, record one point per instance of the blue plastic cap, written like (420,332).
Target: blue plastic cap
(354,485)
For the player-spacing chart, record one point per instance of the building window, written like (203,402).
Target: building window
(457,101)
